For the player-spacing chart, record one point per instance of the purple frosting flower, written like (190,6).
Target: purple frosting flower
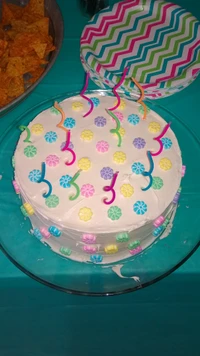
(106,173)
(63,145)
(100,121)
(139,142)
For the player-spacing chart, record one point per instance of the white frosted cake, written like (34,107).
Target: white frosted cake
(93,194)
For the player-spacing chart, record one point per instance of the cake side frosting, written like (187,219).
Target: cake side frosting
(98,161)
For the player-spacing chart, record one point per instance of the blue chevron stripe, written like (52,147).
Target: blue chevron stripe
(121,33)
(161,32)
(169,59)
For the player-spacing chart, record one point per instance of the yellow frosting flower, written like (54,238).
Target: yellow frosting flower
(111,249)
(121,131)
(165,164)
(84,164)
(127,190)
(119,157)
(154,127)
(85,214)
(87,135)
(122,104)
(37,129)
(77,106)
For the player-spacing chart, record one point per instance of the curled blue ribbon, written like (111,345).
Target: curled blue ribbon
(148,174)
(42,180)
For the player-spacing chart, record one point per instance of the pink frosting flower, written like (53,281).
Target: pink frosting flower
(52,160)
(119,115)
(89,238)
(102,146)
(87,190)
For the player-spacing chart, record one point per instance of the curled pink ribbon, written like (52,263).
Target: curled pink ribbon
(117,86)
(66,148)
(85,97)
(158,139)
(110,188)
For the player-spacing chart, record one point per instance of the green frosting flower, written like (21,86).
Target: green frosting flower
(122,237)
(141,109)
(53,110)
(13,161)
(157,183)
(52,201)
(114,213)
(30,151)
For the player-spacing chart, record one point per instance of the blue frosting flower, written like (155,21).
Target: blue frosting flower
(69,123)
(137,168)
(34,175)
(167,143)
(140,207)
(106,173)
(51,136)
(100,121)
(95,101)
(96,258)
(133,119)
(37,233)
(65,181)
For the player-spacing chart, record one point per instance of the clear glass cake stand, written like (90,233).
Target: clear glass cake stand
(156,262)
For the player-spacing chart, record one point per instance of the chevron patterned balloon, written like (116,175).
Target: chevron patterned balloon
(158,41)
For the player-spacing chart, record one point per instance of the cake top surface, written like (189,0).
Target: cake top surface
(100,162)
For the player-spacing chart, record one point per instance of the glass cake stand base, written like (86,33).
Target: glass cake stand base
(156,262)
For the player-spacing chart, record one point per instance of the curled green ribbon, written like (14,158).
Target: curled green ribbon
(22,128)
(116,130)
(72,182)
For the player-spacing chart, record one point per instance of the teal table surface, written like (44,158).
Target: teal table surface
(162,319)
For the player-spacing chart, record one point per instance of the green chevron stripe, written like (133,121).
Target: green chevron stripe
(131,36)
(184,74)
(167,46)
(97,41)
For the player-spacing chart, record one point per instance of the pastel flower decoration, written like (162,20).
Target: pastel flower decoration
(77,106)
(30,151)
(52,160)
(65,181)
(54,111)
(71,146)
(34,175)
(87,190)
(154,127)
(100,121)
(106,173)
(140,207)
(122,104)
(114,213)
(141,110)
(119,157)
(167,143)
(139,143)
(165,164)
(37,129)
(52,201)
(69,123)
(95,101)
(87,135)
(84,164)
(51,136)
(13,161)
(102,146)
(157,183)
(133,119)
(137,168)
(127,190)
(85,214)
(119,115)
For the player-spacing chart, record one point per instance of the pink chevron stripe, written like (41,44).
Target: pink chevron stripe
(146,35)
(195,70)
(98,68)
(173,72)
(93,31)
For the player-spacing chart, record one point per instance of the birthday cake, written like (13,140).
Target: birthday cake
(98,186)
